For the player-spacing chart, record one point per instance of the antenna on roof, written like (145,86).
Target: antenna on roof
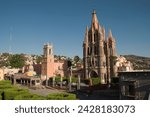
(10,40)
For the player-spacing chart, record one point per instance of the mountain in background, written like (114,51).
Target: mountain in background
(139,62)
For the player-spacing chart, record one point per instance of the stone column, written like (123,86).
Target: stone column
(14,81)
(21,81)
(70,80)
(60,81)
(35,82)
(40,82)
(90,82)
(53,82)
(24,82)
(46,81)
(30,82)
(78,84)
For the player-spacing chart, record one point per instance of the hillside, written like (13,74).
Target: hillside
(139,62)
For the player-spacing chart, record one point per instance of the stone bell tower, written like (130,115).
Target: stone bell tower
(48,61)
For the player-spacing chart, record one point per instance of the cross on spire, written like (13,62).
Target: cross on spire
(95,23)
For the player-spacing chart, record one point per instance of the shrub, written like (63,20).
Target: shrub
(29,96)
(73,79)
(61,96)
(57,79)
(10,94)
(96,81)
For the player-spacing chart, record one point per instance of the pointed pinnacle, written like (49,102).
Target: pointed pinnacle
(86,35)
(110,33)
(95,23)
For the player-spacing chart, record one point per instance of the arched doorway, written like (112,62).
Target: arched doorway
(93,74)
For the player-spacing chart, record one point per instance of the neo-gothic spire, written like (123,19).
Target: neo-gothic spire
(95,24)
(86,35)
(110,34)
(110,37)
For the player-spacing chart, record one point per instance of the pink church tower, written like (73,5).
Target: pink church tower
(48,61)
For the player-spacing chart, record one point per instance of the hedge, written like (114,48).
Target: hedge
(5,85)
(57,79)
(96,81)
(74,79)
(10,94)
(61,96)
(58,96)
(4,82)
(14,93)
(29,96)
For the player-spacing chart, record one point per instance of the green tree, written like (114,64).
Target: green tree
(17,61)
(76,59)
(4,59)
(39,59)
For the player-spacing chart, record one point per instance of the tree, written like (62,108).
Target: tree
(39,59)
(69,63)
(4,59)
(76,59)
(17,61)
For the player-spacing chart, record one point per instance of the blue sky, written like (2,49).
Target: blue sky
(63,22)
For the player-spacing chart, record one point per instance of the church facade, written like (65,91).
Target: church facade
(99,52)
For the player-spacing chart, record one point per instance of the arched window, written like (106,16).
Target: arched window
(45,51)
(88,51)
(95,36)
(50,51)
(95,50)
(96,62)
(90,39)
(110,50)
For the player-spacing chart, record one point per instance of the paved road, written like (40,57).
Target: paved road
(42,91)
(81,95)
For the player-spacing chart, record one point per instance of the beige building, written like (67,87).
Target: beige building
(98,52)
(1,74)
(11,71)
(123,65)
